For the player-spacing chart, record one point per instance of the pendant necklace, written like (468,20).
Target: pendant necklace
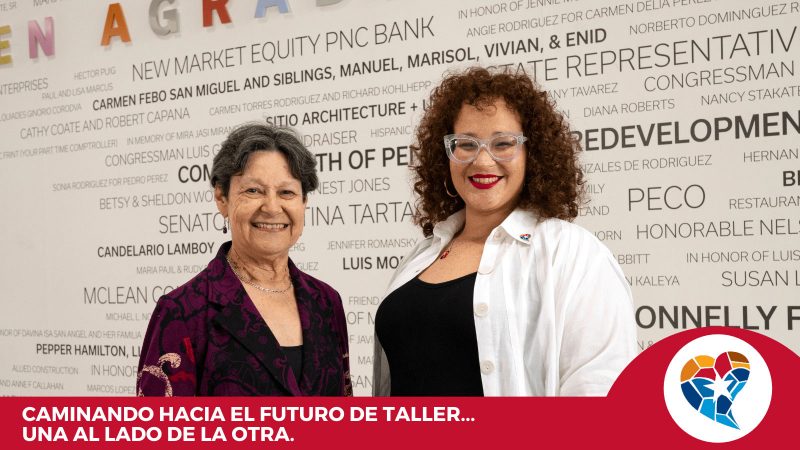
(447,250)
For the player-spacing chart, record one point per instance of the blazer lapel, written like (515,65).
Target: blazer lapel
(316,320)
(310,360)
(247,326)
(242,320)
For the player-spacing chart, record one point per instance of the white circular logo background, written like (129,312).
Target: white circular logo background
(750,405)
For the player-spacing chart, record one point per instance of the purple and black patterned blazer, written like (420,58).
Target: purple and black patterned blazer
(207,338)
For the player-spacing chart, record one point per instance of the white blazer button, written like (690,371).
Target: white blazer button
(481,310)
(487,367)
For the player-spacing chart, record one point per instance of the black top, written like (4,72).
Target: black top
(428,334)
(295,357)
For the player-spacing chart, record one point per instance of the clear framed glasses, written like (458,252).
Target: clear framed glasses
(464,149)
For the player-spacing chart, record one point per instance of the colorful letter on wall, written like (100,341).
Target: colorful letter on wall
(261,7)
(5,59)
(115,16)
(209,6)
(37,38)
(170,17)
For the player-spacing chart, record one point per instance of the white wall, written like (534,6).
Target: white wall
(710,144)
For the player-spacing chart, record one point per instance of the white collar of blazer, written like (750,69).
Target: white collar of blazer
(519,225)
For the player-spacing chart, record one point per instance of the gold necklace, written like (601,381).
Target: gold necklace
(257,286)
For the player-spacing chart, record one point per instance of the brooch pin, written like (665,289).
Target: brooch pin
(525,236)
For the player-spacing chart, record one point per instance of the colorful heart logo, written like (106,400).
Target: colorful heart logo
(711,385)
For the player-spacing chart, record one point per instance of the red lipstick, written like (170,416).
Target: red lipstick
(484,181)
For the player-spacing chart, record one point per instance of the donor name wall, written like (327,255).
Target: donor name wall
(111,113)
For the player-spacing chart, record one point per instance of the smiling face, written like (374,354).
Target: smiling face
(265,207)
(485,185)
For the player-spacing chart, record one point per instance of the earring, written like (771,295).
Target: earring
(448,191)
(225,226)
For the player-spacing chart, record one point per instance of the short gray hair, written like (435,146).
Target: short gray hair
(254,137)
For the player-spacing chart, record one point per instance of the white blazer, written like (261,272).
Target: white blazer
(553,311)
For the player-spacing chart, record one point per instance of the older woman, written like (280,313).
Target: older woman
(251,323)
(505,296)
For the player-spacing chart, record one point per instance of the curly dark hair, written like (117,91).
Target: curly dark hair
(553,184)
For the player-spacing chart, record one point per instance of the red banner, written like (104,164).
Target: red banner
(641,411)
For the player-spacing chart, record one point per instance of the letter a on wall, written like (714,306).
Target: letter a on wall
(115,25)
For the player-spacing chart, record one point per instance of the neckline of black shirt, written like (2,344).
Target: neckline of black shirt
(444,283)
